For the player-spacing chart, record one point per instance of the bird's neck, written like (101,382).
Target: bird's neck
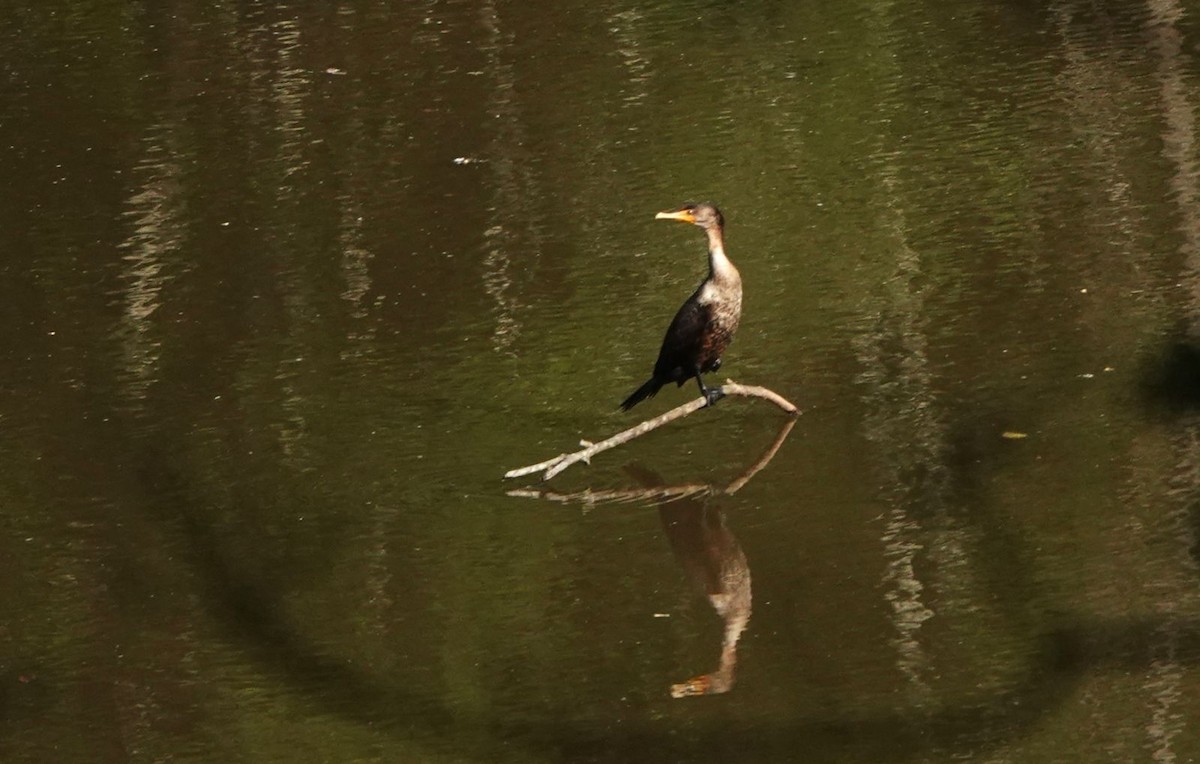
(720,267)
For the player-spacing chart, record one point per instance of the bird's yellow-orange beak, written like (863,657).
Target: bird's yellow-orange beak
(685,216)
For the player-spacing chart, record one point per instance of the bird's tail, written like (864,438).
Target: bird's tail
(642,393)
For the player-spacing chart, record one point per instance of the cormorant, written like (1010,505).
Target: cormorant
(705,323)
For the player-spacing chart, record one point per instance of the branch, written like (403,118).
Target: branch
(559,463)
(664,493)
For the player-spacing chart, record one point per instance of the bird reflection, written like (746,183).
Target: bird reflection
(707,550)
(715,565)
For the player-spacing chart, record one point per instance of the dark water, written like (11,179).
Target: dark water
(287,288)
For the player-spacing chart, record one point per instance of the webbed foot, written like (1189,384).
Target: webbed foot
(713,394)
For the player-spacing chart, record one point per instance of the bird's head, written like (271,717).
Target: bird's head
(704,215)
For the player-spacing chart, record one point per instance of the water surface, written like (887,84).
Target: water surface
(288,288)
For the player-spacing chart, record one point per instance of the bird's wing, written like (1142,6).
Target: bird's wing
(682,344)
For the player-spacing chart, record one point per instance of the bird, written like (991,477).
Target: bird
(704,325)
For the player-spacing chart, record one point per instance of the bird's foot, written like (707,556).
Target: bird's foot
(713,394)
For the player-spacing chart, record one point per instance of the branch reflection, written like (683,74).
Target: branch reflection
(707,550)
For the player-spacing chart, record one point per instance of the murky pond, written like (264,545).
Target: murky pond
(287,288)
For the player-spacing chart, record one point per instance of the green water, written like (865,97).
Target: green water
(287,288)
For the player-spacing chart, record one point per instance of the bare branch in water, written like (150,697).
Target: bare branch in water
(661,494)
(559,463)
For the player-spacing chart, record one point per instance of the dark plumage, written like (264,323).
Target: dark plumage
(704,325)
